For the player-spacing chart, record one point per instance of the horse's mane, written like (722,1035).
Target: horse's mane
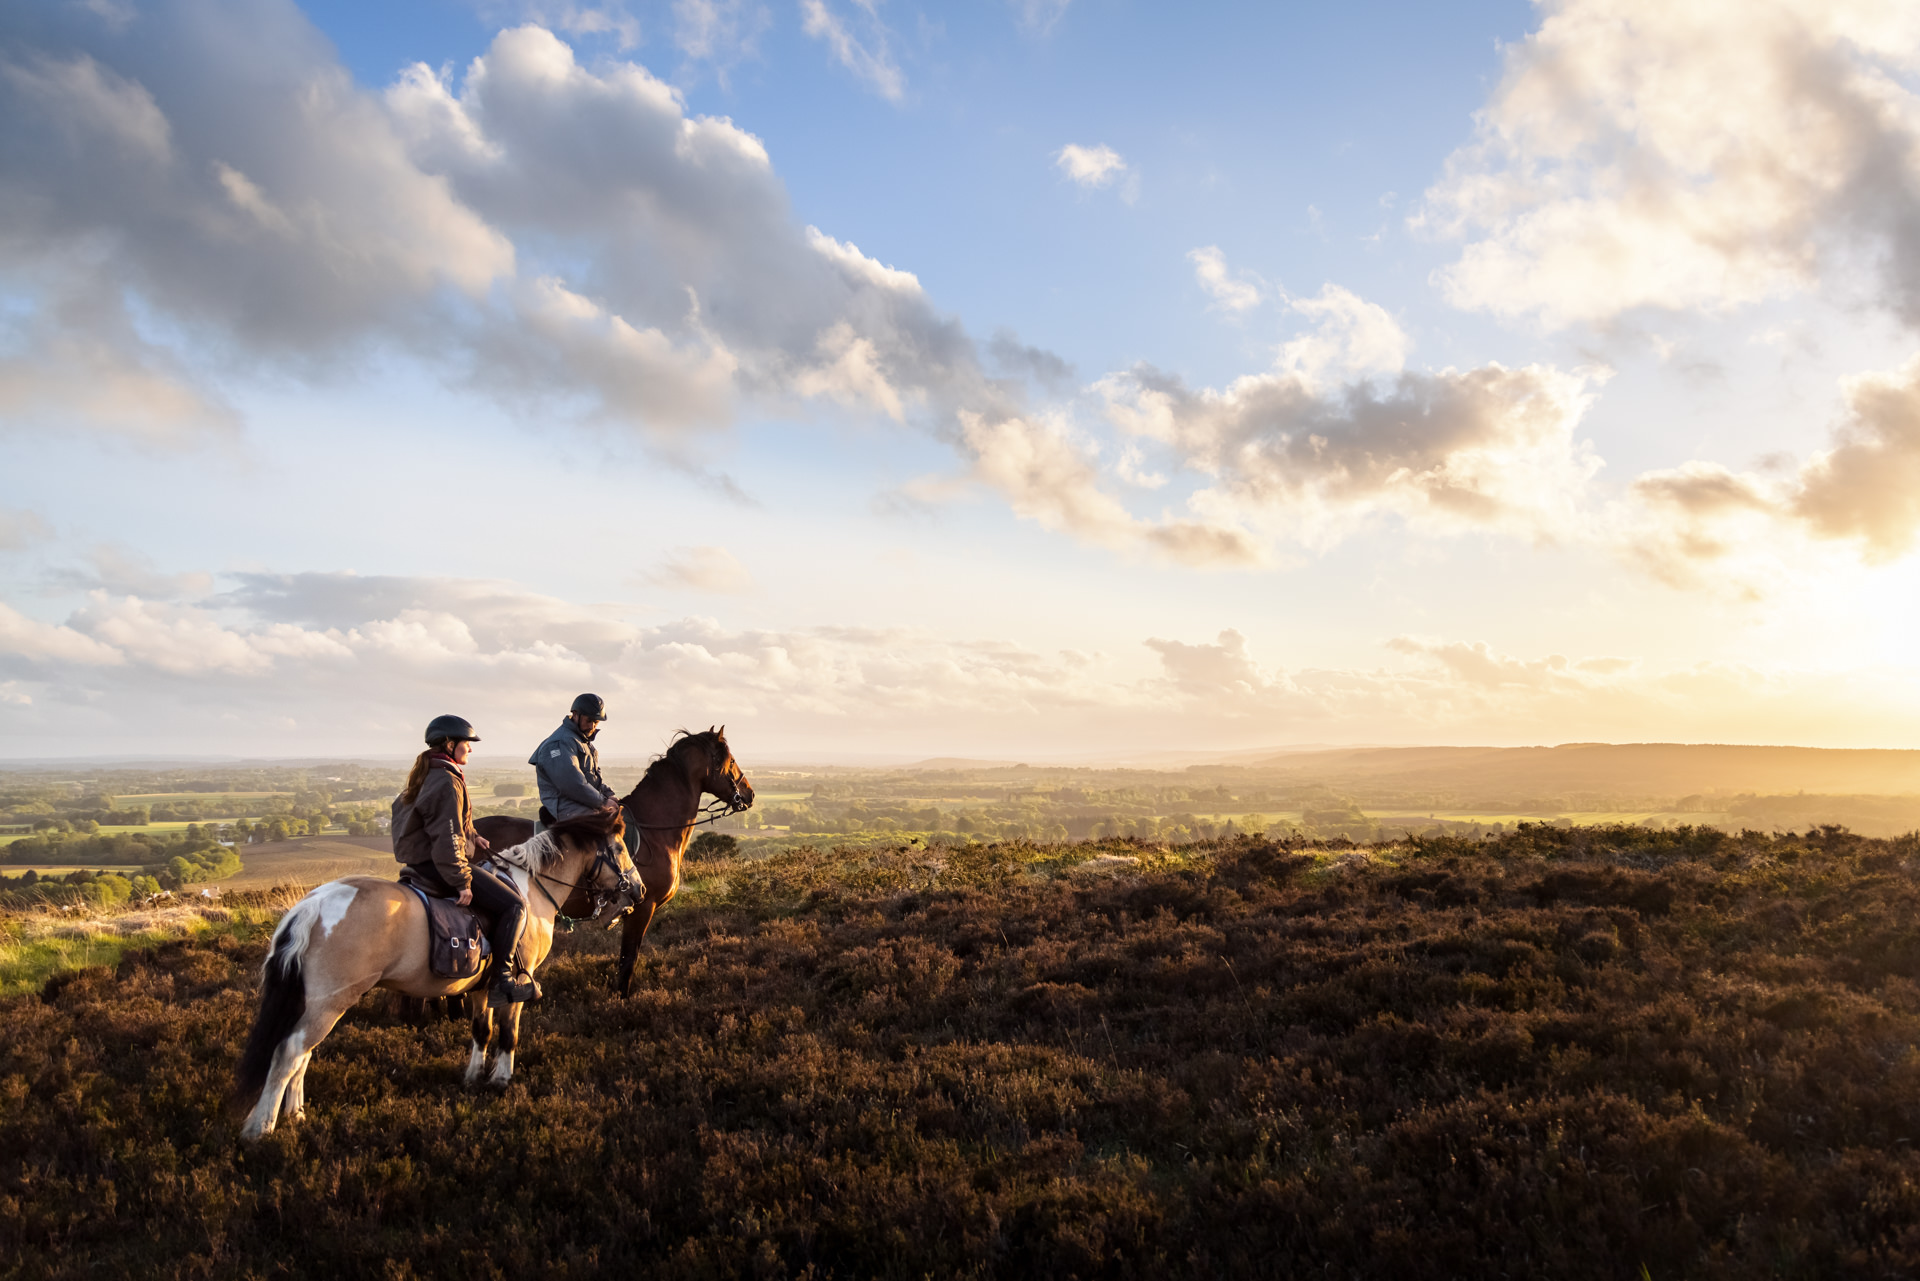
(674,756)
(585,829)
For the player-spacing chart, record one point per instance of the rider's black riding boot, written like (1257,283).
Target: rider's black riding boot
(512,985)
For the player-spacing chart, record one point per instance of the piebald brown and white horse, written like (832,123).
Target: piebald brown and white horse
(358,933)
(662,810)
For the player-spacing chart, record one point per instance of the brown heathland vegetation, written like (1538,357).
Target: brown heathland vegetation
(1557,1053)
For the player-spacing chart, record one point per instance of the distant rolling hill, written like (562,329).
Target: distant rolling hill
(1675,769)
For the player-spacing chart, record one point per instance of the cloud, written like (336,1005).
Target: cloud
(552,235)
(1487,448)
(1598,183)
(1229,294)
(1354,338)
(358,663)
(120,570)
(1475,663)
(1450,683)
(858,266)
(1867,487)
(263,196)
(703,569)
(79,361)
(610,20)
(1702,521)
(1091,167)
(1049,478)
(721,33)
(1039,17)
(20,529)
(23,638)
(88,101)
(1018,360)
(869,59)
(686,286)
(493,614)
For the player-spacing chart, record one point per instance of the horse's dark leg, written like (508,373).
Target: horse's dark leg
(482,1033)
(632,935)
(509,1037)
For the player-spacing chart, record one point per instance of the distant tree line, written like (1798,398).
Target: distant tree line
(170,861)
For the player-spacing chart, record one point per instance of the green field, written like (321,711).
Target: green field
(117,829)
(169,798)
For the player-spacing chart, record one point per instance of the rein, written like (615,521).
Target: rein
(600,858)
(715,810)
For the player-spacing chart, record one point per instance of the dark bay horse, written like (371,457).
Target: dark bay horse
(661,810)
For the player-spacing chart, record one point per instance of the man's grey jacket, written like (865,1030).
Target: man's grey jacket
(568,767)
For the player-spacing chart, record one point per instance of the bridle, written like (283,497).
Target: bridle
(712,811)
(624,882)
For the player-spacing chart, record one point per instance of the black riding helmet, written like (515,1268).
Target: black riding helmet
(590,705)
(450,729)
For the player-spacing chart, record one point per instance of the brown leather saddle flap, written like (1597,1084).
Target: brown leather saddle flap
(457,946)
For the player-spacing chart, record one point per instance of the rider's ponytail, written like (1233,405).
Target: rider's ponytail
(416,777)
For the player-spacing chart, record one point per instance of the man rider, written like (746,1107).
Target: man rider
(567,764)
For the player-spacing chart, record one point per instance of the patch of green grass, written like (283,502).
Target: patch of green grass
(34,949)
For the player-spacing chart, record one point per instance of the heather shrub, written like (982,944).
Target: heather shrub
(1549,1053)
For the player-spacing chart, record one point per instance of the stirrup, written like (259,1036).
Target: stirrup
(507,991)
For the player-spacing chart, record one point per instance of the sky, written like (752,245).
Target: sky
(1039,379)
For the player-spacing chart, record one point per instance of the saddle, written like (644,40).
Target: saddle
(457,946)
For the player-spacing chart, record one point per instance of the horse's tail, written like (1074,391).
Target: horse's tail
(283,1002)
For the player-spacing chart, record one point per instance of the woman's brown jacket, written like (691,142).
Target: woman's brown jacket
(437,825)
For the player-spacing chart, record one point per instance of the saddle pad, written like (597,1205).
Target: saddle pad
(457,948)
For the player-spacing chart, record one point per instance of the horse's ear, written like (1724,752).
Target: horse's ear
(723,731)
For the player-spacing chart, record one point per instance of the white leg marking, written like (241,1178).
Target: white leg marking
(287,1059)
(295,1103)
(502,1068)
(476,1063)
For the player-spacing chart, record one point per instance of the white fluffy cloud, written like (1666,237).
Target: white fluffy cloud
(1096,166)
(1700,158)
(1054,479)
(553,234)
(1230,293)
(1704,522)
(1704,155)
(1489,448)
(1352,338)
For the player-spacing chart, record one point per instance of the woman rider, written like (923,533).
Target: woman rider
(432,832)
